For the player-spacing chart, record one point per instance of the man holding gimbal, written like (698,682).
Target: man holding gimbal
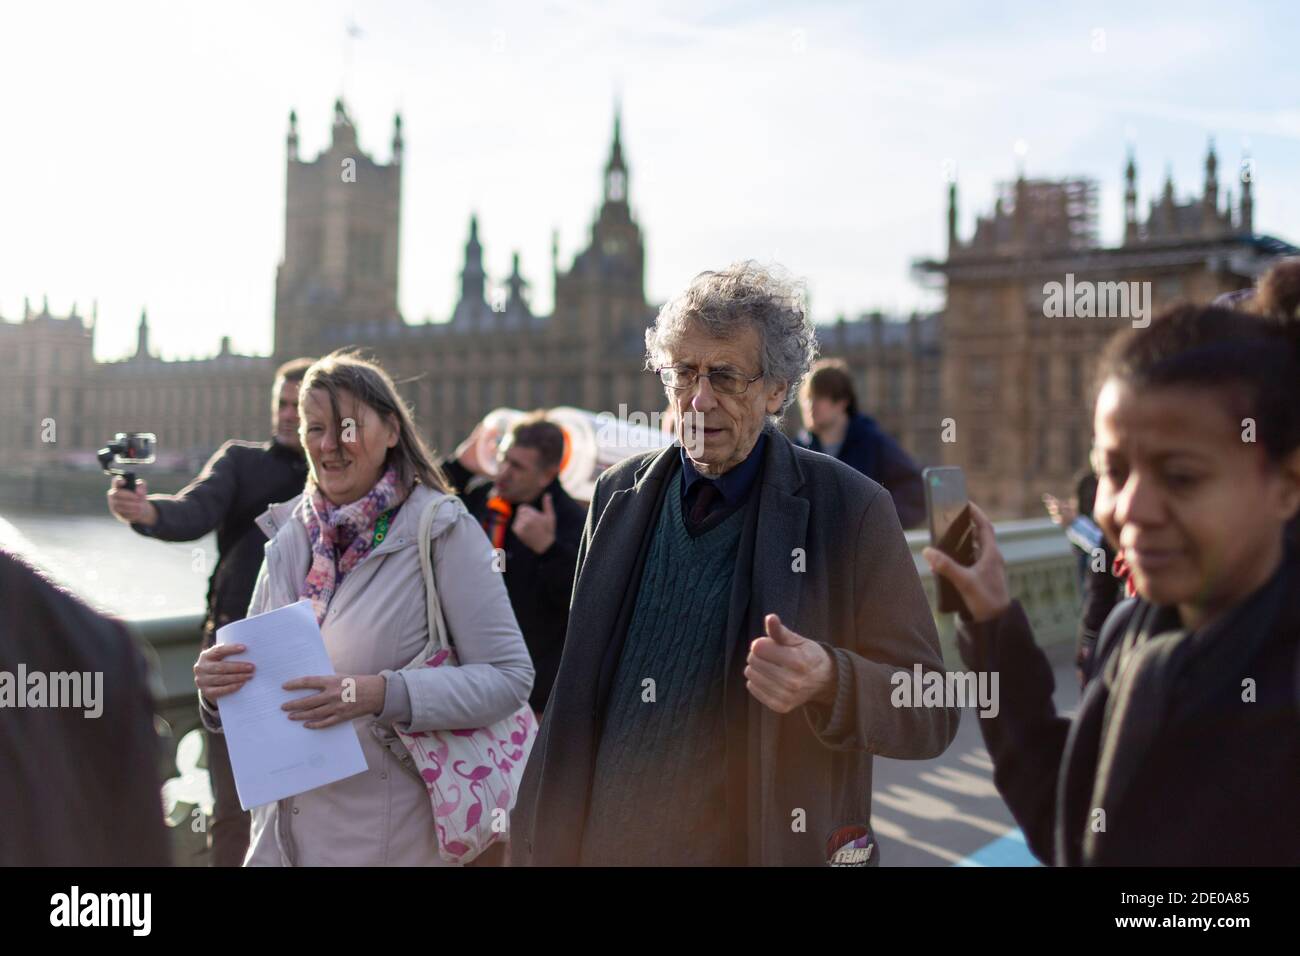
(236,485)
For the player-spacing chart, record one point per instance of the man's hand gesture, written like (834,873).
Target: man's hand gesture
(786,670)
(536,528)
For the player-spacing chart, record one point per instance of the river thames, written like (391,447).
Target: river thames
(111,567)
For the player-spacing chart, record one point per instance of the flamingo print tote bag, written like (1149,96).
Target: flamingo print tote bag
(472,774)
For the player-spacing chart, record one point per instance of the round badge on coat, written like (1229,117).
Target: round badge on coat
(853,845)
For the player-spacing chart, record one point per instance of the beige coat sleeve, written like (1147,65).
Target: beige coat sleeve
(495,675)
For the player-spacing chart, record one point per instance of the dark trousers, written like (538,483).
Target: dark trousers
(228,834)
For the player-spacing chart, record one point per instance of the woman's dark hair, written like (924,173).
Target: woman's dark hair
(345,370)
(1254,360)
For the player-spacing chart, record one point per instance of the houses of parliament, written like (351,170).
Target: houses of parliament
(988,382)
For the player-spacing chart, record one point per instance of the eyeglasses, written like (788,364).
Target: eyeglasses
(723,381)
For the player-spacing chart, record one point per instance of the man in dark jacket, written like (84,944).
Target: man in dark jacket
(236,485)
(535,527)
(741,611)
(835,427)
(80,785)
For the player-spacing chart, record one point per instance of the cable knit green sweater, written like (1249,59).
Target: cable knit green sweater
(658,791)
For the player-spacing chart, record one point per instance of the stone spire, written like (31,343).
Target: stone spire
(291,141)
(142,336)
(952,216)
(1168,204)
(473,279)
(516,283)
(1247,199)
(1210,198)
(1130,199)
(344,132)
(616,168)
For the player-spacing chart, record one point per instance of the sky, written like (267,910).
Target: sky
(142,159)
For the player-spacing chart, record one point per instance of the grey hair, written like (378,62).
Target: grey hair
(744,294)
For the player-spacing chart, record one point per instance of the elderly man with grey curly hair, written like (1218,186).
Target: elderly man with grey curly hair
(741,611)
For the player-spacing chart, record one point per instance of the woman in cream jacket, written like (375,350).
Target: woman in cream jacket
(348,543)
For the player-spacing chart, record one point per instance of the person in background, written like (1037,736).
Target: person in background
(79,788)
(236,485)
(535,527)
(1184,748)
(350,543)
(1102,589)
(741,610)
(836,427)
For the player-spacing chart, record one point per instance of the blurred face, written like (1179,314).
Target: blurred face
(820,412)
(1197,513)
(345,463)
(521,479)
(730,423)
(286,414)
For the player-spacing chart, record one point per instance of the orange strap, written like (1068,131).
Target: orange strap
(497,521)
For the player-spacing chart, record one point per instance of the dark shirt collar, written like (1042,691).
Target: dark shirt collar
(734,485)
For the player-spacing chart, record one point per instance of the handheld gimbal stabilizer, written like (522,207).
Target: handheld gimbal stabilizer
(127,448)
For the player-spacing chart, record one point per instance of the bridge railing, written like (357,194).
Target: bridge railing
(1041,566)
(1042,570)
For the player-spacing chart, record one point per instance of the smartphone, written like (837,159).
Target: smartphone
(952,530)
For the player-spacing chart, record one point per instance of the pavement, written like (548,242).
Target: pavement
(946,811)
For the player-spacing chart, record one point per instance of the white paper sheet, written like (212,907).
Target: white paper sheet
(274,757)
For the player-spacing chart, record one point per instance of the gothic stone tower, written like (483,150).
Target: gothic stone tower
(341,232)
(1017,383)
(601,299)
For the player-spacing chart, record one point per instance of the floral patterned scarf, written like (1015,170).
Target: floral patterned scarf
(341,535)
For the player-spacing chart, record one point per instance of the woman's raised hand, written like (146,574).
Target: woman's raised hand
(1061,512)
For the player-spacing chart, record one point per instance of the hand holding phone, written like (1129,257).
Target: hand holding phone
(982,587)
(952,530)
